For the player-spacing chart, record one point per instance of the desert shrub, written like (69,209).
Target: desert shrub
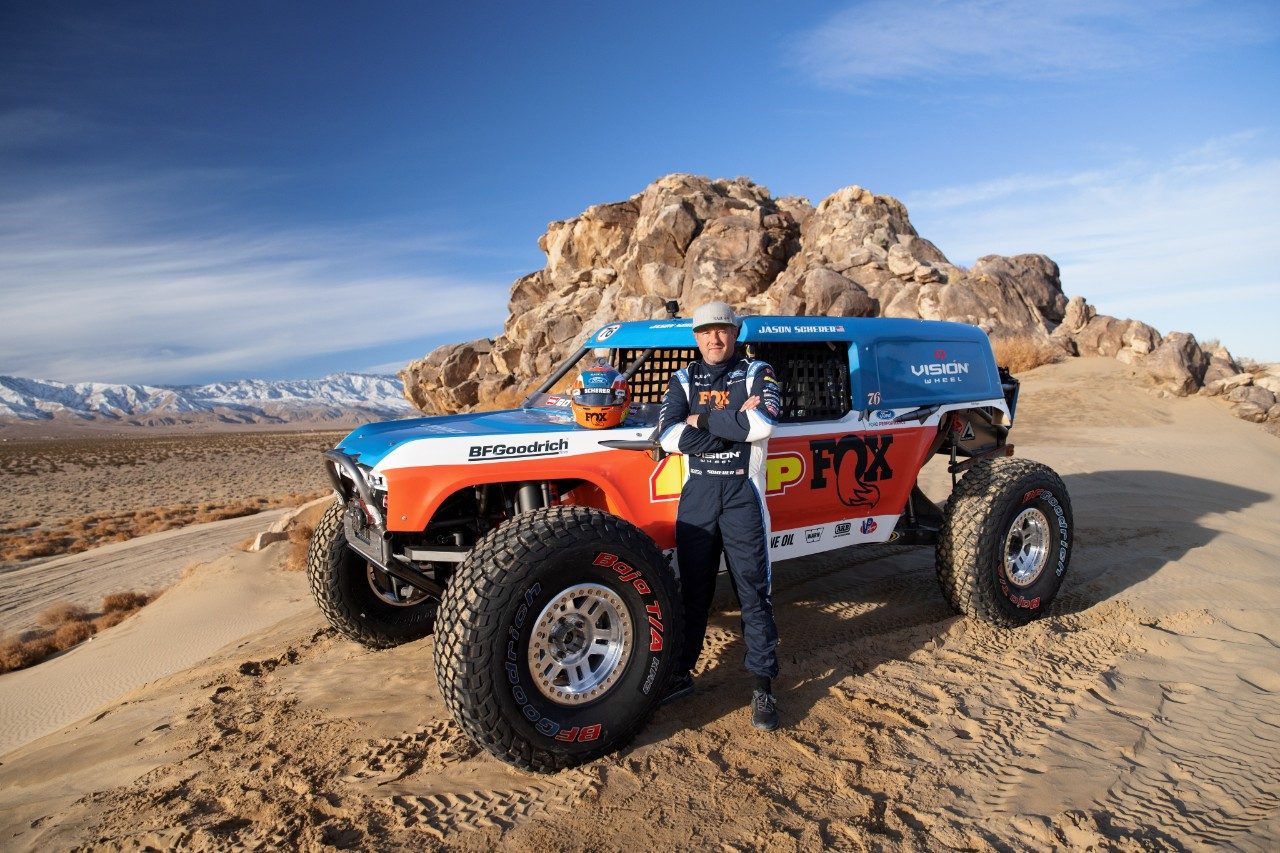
(126,601)
(59,615)
(67,625)
(1023,353)
(71,634)
(111,619)
(16,654)
(299,543)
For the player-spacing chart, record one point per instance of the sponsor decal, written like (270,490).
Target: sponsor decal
(555,401)
(884,415)
(594,417)
(714,399)
(961,428)
(483,452)
(782,540)
(1032,495)
(937,374)
(782,471)
(607,332)
(842,529)
(813,534)
(856,462)
(868,525)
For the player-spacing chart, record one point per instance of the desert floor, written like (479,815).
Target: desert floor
(67,494)
(1141,714)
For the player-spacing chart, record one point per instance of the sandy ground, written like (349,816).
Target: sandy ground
(1141,714)
(151,562)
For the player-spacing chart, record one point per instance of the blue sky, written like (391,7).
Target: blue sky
(198,191)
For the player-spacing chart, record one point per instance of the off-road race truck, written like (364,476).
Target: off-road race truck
(542,553)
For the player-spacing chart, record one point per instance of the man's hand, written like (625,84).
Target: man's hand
(692,420)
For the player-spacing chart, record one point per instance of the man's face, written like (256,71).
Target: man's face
(716,343)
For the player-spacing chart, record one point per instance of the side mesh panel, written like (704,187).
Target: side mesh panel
(814,376)
(814,379)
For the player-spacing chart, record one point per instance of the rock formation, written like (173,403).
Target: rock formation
(856,254)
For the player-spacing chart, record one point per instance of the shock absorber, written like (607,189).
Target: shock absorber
(529,497)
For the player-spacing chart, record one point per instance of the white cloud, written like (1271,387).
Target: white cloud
(1183,244)
(929,39)
(106,283)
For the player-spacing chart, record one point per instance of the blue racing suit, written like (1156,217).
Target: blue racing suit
(722,508)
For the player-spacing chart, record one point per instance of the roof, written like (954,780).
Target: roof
(678,332)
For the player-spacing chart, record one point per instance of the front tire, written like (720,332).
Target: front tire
(1005,542)
(357,599)
(557,636)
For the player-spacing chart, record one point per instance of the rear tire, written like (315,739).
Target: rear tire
(557,637)
(1005,542)
(344,586)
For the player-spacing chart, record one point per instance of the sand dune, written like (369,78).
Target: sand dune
(1142,713)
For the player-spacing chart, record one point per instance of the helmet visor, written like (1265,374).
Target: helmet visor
(593,397)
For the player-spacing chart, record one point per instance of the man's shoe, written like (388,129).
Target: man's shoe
(764,711)
(678,688)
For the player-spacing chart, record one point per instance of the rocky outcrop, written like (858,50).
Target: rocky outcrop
(1084,331)
(855,254)
(692,239)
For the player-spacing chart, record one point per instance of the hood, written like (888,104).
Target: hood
(370,443)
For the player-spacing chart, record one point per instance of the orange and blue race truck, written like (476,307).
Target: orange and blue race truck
(541,552)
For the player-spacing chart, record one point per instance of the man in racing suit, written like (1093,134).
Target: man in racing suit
(719,411)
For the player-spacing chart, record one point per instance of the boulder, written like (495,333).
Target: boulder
(1252,394)
(1271,383)
(1221,364)
(1177,364)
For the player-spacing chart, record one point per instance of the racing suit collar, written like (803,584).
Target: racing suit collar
(715,371)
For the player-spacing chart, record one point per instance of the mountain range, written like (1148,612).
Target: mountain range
(338,397)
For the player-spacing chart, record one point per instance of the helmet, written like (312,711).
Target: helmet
(600,397)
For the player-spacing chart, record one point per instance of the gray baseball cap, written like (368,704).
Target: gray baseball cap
(715,314)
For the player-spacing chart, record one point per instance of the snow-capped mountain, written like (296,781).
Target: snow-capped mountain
(341,396)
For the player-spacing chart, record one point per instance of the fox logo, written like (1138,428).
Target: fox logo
(859,463)
(714,399)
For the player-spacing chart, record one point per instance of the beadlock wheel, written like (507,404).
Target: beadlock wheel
(1026,548)
(581,644)
(1005,542)
(558,637)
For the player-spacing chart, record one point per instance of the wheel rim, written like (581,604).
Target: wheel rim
(392,590)
(580,645)
(1026,547)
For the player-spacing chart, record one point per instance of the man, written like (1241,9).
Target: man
(719,411)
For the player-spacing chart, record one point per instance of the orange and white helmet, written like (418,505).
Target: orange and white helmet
(600,397)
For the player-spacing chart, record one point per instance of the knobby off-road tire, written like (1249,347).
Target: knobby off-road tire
(557,637)
(339,579)
(1005,542)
